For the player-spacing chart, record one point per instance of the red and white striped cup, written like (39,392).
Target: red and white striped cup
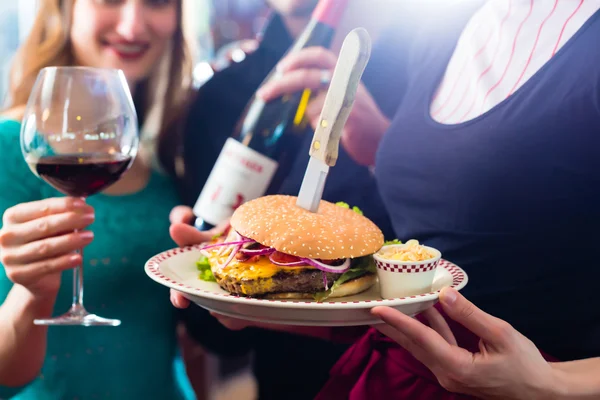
(405,278)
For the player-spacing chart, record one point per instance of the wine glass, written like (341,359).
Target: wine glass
(79,134)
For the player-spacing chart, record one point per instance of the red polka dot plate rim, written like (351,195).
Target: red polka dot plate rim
(176,269)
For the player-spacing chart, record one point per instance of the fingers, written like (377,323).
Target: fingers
(292,82)
(428,359)
(489,328)
(46,248)
(187,235)
(222,227)
(311,57)
(45,227)
(181,215)
(421,341)
(394,334)
(439,324)
(178,300)
(301,70)
(28,275)
(36,209)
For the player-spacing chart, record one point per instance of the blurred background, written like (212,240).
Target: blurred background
(225,29)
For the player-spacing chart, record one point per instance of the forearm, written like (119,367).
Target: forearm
(578,379)
(22,344)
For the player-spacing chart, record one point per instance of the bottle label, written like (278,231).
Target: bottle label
(239,175)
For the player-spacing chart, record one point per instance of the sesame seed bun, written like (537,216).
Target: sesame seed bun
(333,232)
(349,288)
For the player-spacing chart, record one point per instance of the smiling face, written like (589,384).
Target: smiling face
(131,35)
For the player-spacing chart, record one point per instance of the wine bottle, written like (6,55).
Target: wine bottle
(259,155)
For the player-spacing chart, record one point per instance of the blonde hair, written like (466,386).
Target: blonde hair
(165,93)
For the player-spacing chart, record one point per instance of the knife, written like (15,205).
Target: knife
(323,152)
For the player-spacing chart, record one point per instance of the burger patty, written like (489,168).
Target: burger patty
(305,281)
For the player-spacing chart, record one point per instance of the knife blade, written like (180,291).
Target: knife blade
(339,99)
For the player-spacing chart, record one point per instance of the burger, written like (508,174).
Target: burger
(275,249)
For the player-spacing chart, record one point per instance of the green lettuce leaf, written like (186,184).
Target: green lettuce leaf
(342,204)
(360,267)
(395,241)
(346,205)
(205,272)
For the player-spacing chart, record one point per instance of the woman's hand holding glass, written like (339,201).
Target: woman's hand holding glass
(39,240)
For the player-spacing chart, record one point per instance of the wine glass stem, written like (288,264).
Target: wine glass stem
(77,306)
(78,286)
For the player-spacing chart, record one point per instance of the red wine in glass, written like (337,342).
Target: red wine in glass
(81,175)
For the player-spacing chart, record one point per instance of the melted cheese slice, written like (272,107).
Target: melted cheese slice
(263,268)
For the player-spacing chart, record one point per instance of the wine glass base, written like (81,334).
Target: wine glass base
(78,318)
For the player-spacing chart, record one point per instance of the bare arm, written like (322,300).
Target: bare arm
(578,379)
(22,344)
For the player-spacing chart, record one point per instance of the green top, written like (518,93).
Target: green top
(132,361)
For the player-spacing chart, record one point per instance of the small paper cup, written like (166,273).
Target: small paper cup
(406,278)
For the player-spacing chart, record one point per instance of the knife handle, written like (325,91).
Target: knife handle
(347,74)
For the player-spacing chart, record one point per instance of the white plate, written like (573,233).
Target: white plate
(176,269)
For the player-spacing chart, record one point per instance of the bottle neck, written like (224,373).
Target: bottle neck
(322,25)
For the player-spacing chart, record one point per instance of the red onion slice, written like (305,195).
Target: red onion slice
(335,269)
(258,252)
(236,243)
(233,236)
(289,264)
(231,256)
